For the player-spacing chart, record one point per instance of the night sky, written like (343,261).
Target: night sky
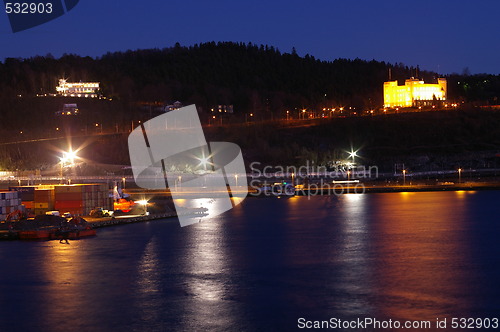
(444,36)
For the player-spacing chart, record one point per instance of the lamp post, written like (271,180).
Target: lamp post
(353,154)
(459,175)
(123,180)
(67,158)
(404,177)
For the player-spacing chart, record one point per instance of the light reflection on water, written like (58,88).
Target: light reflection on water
(265,263)
(422,258)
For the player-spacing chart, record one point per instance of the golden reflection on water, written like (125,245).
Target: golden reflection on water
(64,281)
(416,234)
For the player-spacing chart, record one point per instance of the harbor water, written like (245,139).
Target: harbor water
(264,265)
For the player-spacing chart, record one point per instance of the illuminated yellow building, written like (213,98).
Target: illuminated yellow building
(414,93)
(82,89)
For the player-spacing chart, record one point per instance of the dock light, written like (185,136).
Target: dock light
(144,204)
(353,154)
(67,159)
(70,156)
(204,161)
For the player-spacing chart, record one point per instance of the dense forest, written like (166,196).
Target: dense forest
(251,77)
(256,79)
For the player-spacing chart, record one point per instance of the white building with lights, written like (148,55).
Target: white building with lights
(81,89)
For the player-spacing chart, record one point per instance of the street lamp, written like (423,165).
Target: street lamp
(353,154)
(404,177)
(459,175)
(67,158)
(287,115)
(123,179)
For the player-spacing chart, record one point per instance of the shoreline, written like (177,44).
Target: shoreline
(318,191)
(362,188)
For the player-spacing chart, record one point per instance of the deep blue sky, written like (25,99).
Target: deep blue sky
(449,35)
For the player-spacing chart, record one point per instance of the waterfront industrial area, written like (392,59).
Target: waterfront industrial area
(36,204)
(35,212)
(282,166)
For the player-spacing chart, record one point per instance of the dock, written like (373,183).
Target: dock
(96,223)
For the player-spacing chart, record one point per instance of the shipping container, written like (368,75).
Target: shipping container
(68,204)
(6,195)
(28,204)
(44,199)
(41,205)
(69,196)
(44,195)
(26,193)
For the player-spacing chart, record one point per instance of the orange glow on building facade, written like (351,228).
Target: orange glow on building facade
(414,93)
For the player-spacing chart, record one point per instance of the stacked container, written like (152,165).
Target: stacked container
(44,201)
(80,199)
(26,194)
(9,202)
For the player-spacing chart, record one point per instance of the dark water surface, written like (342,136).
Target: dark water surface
(263,265)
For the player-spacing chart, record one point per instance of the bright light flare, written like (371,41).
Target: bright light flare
(204,161)
(142,202)
(353,154)
(68,157)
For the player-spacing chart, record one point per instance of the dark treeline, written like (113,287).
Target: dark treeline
(251,77)
(255,79)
